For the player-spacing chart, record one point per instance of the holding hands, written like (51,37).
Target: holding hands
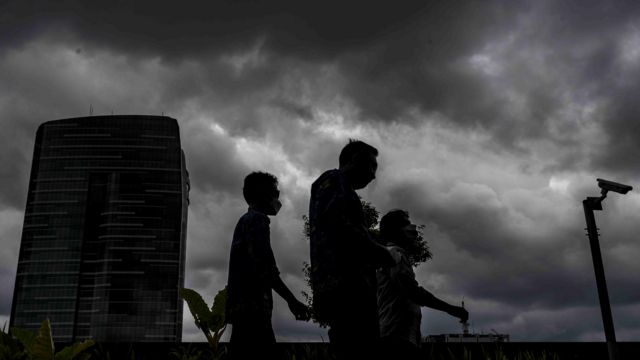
(299,310)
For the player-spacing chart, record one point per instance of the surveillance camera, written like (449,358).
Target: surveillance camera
(613,186)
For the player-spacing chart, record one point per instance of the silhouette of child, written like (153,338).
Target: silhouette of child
(253,273)
(399,295)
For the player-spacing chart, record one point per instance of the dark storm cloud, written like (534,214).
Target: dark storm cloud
(416,65)
(297,110)
(622,131)
(14,173)
(10,228)
(213,163)
(587,40)
(177,31)
(536,49)
(394,58)
(399,53)
(512,69)
(6,281)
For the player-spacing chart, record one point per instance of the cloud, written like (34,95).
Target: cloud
(492,119)
(205,27)
(10,228)
(510,69)
(213,160)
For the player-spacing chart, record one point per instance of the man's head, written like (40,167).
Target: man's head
(358,161)
(396,227)
(261,192)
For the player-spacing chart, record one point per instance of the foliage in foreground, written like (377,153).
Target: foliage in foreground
(212,321)
(191,352)
(21,344)
(307,352)
(495,354)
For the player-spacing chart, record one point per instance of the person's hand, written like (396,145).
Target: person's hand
(459,312)
(299,310)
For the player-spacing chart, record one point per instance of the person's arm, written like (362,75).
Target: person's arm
(281,289)
(299,310)
(266,267)
(419,295)
(425,298)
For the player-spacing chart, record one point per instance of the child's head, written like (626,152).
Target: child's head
(396,227)
(261,191)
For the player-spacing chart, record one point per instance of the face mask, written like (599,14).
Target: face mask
(410,233)
(275,205)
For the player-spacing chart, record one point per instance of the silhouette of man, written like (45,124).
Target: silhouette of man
(399,295)
(344,256)
(253,273)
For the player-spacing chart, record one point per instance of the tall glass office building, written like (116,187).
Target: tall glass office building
(103,243)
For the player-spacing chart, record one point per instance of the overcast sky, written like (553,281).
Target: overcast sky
(493,119)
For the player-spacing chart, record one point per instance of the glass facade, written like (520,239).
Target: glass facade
(103,243)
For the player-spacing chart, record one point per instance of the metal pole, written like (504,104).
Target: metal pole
(591,204)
